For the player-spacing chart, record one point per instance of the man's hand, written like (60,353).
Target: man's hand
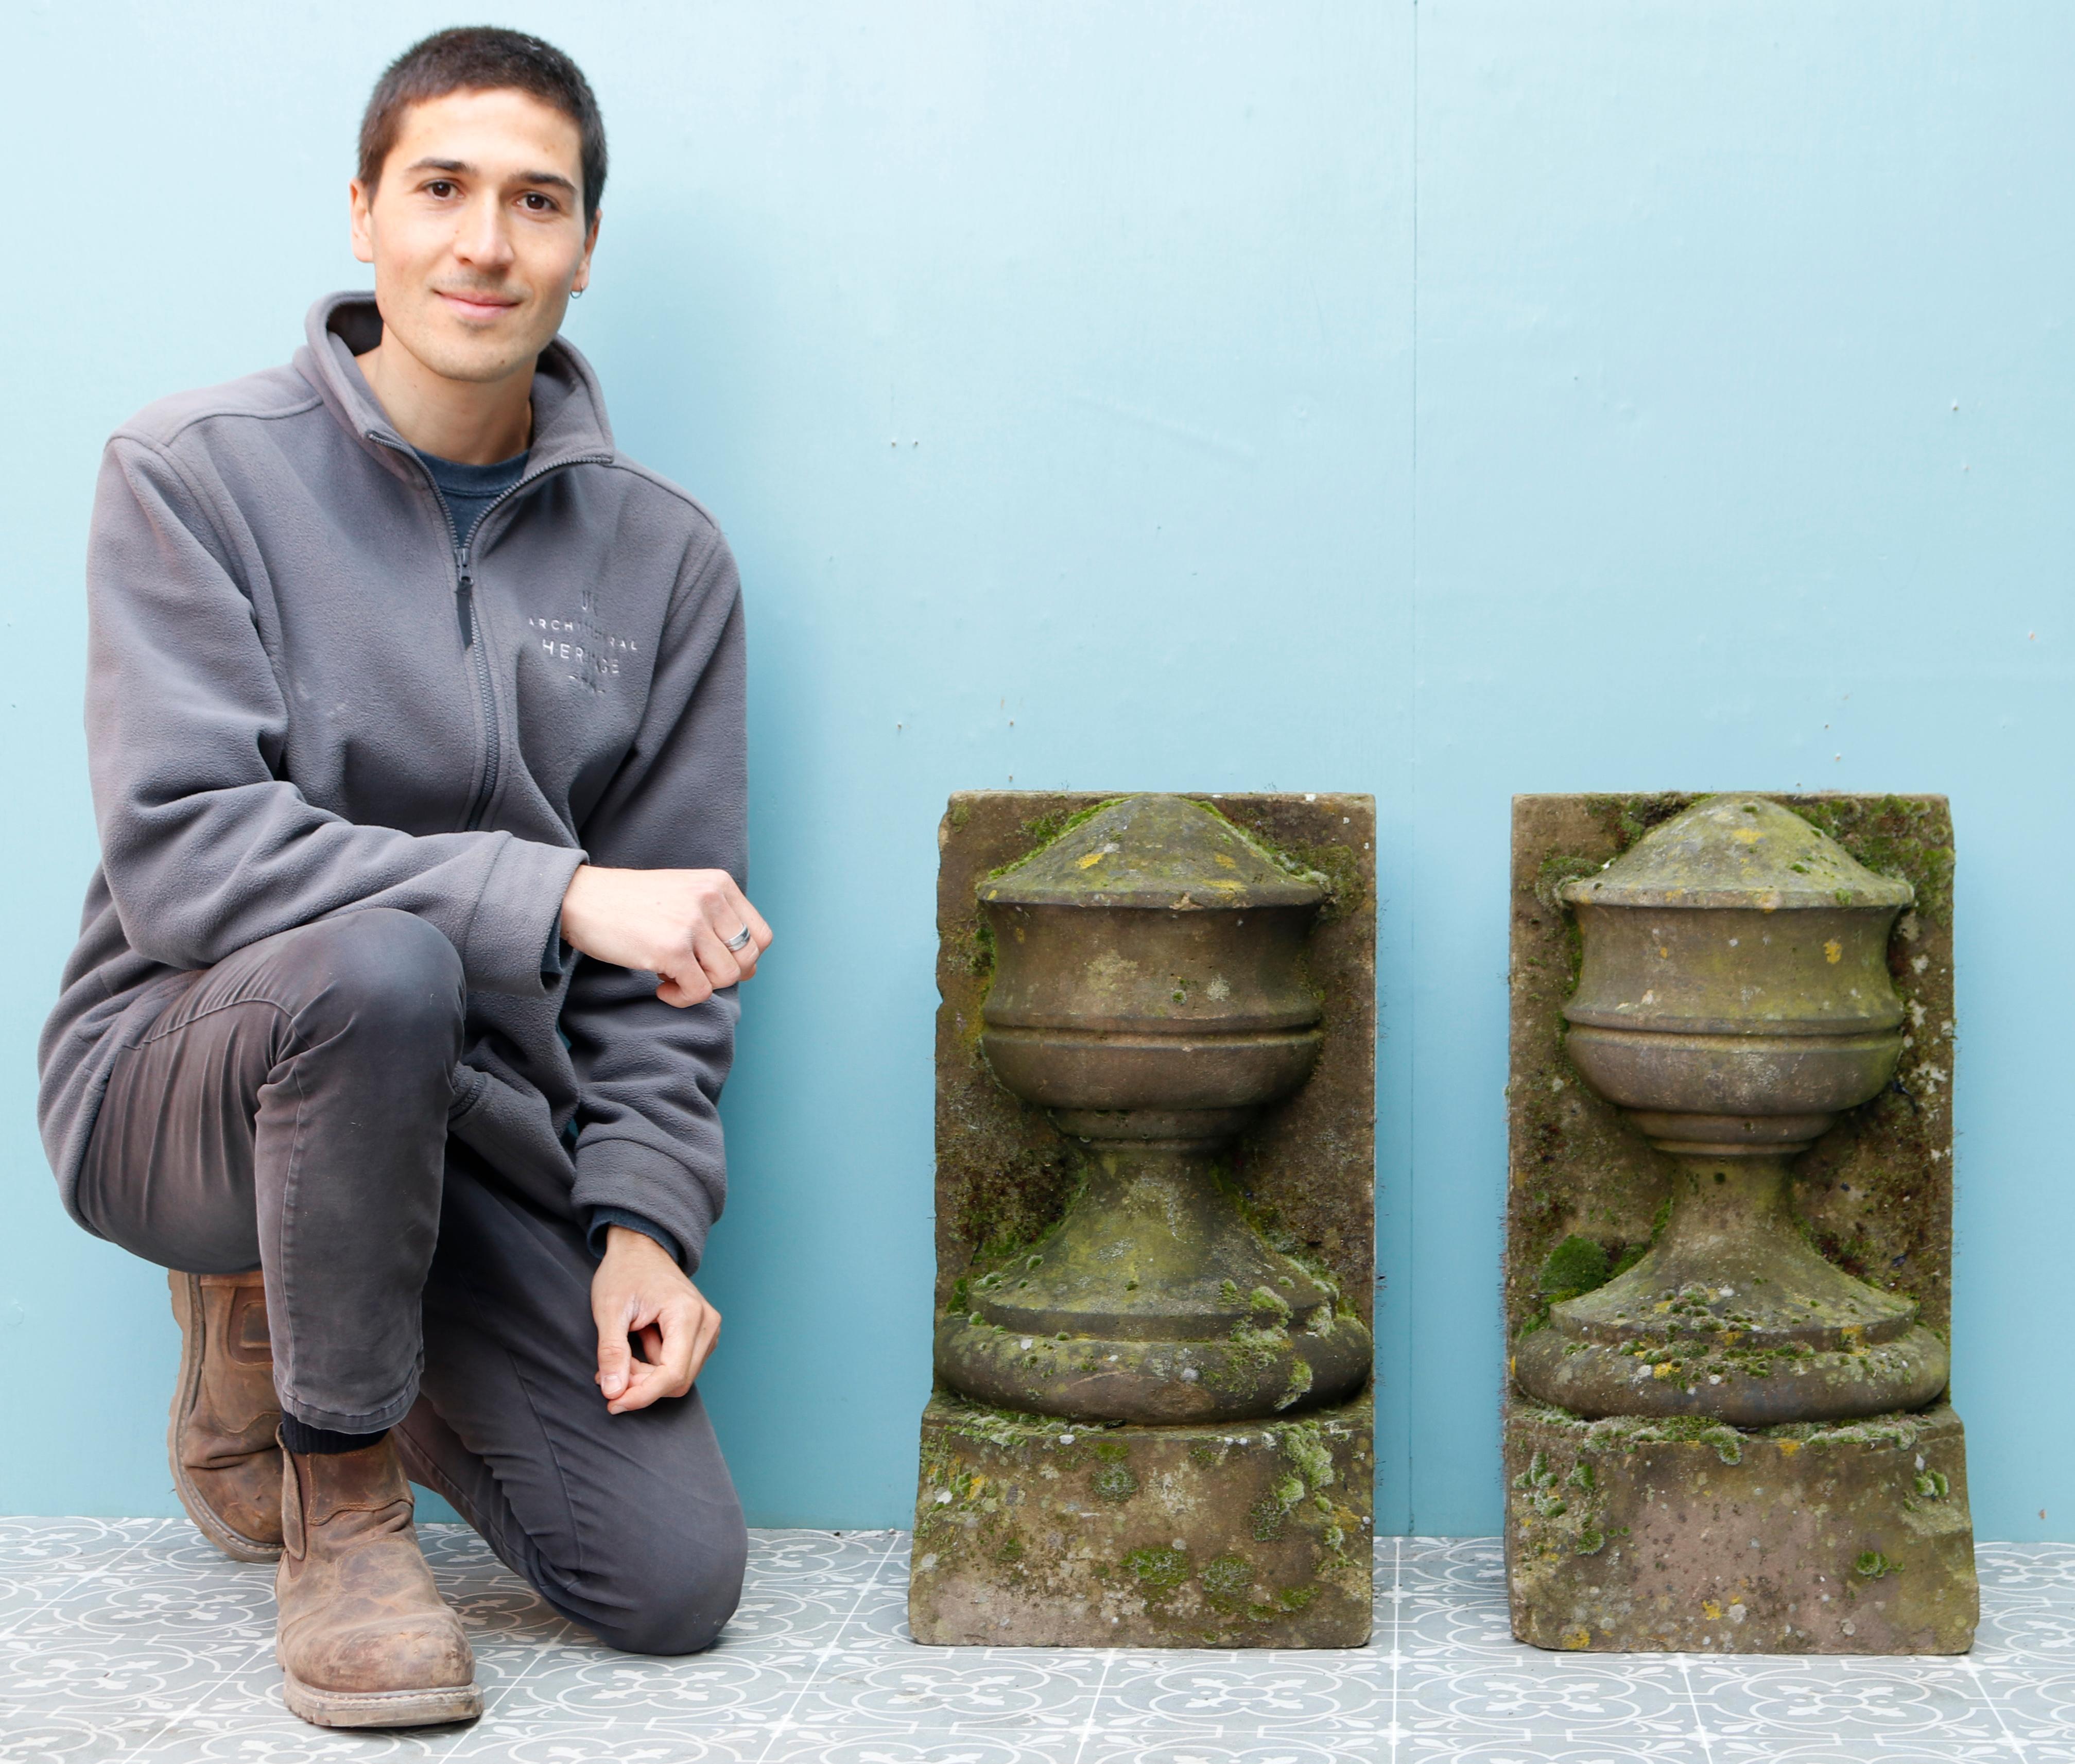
(639,1291)
(674,923)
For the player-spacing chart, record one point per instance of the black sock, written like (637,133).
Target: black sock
(299,1436)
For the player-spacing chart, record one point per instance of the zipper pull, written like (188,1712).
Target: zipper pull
(465,609)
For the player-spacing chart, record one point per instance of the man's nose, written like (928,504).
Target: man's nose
(482,238)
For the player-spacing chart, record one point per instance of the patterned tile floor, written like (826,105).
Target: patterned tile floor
(132,1639)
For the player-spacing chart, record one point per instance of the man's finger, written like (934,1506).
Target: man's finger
(714,957)
(667,1342)
(674,1363)
(691,987)
(706,1337)
(615,1360)
(746,916)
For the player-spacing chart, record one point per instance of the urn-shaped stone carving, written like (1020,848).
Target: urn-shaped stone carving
(1734,998)
(1150,992)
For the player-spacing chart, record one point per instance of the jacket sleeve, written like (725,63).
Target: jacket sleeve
(204,848)
(649,1131)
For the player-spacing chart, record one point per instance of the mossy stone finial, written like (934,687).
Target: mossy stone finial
(1153,851)
(1734,997)
(1737,850)
(1150,994)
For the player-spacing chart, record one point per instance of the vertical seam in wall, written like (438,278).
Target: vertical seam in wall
(1408,1260)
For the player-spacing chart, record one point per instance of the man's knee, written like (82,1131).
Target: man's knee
(675,1594)
(386,977)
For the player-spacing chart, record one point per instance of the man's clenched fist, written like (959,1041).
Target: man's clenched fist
(675,924)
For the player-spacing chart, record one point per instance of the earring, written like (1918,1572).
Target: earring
(576,293)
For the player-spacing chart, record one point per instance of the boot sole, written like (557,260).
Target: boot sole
(437,1708)
(186,1299)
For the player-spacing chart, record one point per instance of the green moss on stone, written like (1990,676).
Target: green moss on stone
(1159,1571)
(1227,1581)
(1114,1482)
(1576,1265)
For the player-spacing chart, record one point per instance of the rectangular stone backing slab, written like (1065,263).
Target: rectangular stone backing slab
(1031,1531)
(1875,1191)
(1307,1169)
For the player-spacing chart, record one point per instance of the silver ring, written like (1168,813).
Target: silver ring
(738,942)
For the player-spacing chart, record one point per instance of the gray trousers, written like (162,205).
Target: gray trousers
(287,1110)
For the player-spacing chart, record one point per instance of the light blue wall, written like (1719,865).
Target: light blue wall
(1538,396)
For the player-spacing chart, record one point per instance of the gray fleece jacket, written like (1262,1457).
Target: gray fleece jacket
(303,701)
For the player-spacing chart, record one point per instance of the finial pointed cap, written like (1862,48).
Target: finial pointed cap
(1155,851)
(1737,851)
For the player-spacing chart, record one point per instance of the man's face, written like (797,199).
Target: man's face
(475,228)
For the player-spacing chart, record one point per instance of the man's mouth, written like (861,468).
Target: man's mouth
(476,303)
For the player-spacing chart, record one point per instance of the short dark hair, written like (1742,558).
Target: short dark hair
(483,58)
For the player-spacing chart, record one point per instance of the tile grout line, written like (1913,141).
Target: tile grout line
(475,1730)
(194,1707)
(2018,1748)
(1095,1704)
(783,1725)
(1693,1703)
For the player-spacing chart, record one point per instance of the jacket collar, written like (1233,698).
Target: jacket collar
(569,409)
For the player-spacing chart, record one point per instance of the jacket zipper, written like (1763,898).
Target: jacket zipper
(493,737)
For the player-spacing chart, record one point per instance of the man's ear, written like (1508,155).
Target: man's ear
(361,200)
(590,245)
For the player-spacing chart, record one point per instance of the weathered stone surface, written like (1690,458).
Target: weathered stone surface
(1586,1196)
(1217,1533)
(1626,1535)
(1035,1532)
(1307,1164)
(1875,1191)
(1150,994)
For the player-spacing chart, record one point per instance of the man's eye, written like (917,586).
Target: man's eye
(538,203)
(440,189)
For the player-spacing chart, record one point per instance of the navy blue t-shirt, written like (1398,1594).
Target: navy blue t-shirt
(468,490)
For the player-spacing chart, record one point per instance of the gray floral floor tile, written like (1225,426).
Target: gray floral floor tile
(1266,1694)
(2046,1569)
(887,1690)
(2024,1627)
(1862,1750)
(1452,1566)
(2035,1705)
(132,1640)
(1576,1695)
(836,1746)
(589,1683)
(30,1543)
(1916,1700)
(1453,1628)
(1108,1748)
(1631,1749)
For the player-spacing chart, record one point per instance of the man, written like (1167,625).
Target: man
(405,989)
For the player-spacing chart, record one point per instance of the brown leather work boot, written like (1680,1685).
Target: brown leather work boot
(227,1461)
(364,1637)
